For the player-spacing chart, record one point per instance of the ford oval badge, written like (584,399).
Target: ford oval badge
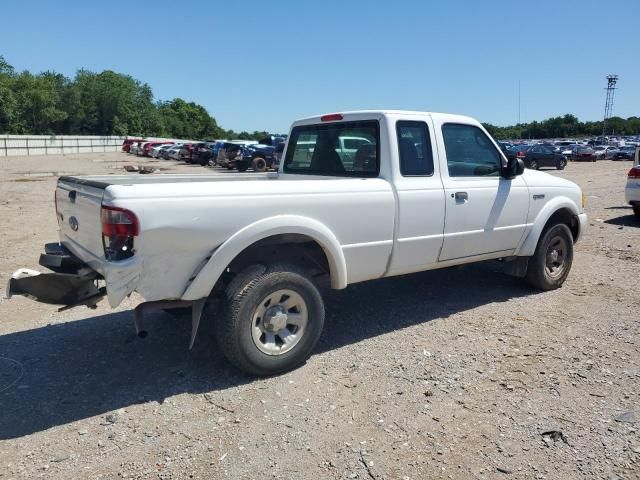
(73,223)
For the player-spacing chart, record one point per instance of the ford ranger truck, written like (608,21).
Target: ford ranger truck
(421,191)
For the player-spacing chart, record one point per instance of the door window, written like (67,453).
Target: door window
(414,148)
(470,152)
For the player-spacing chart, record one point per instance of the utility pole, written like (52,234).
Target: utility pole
(519,128)
(608,105)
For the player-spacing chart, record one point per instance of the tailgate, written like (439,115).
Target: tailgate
(78,204)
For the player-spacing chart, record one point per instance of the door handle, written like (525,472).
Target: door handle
(461,196)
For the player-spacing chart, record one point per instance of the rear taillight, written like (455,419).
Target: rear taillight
(634,173)
(520,155)
(119,227)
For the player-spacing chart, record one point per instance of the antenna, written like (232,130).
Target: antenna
(608,105)
(518,102)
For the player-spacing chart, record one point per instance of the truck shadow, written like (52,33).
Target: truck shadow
(58,374)
(624,221)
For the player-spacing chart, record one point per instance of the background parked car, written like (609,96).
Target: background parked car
(567,150)
(536,156)
(260,156)
(134,147)
(601,151)
(148,146)
(583,154)
(173,153)
(164,151)
(201,153)
(185,152)
(126,145)
(158,149)
(229,154)
(625,153)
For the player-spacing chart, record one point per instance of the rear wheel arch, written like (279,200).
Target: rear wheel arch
(314,239)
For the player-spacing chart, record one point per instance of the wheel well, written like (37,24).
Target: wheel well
(564,215)
(293,249)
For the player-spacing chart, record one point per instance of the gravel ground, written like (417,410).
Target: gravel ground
(459,373)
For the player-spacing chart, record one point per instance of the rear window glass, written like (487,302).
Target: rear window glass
(349,149)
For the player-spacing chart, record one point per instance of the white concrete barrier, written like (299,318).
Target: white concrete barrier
(14,145)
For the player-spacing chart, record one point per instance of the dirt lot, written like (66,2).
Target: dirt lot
(447,374)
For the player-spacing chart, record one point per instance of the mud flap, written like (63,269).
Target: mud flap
(65,289)
(516,266)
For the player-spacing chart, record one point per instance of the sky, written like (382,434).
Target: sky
(261,65)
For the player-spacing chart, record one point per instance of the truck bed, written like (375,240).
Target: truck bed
(184,218)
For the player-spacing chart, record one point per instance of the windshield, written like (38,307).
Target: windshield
(349,149)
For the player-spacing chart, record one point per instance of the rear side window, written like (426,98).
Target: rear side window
(349,149)
(414,148)
(470,152)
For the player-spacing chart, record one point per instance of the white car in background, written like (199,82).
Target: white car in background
(134,148)
(632,190)
(174,151)
(601,151)
(155,151)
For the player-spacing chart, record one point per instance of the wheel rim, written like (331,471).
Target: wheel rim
(556,257)
(260,164)
(533,165)
(279,322)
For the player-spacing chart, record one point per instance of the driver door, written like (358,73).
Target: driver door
(485,213)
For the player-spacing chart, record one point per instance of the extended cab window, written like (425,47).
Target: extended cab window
(414,147)
(470,153)
(348,149)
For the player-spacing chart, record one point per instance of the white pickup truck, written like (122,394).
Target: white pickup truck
(422,191)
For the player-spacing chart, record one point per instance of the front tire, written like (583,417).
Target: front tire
(550,264)
(273,319)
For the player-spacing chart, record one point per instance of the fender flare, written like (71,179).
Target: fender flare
(282,224)
(528,246)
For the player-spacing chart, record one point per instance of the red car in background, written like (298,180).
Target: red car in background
(146,148)
(126,145)
(583,154)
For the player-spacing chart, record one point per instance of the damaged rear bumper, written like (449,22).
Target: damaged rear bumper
(72,283)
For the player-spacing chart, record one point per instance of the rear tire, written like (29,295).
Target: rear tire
(259,164)
(561,164)
(272,321)
(550,264)
(636,210)
(242,167)
(533,165)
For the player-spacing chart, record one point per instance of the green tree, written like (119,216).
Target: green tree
(8,104)
(182,119)
(39,102)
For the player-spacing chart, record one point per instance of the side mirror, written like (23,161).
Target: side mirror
(515,167)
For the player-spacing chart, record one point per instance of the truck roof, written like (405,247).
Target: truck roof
(360,114)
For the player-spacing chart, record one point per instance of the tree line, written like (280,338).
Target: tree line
(105,103)
(566,126)
(110,103)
